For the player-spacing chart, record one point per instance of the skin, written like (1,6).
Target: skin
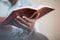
(26,21)
(2,19)
(12,3)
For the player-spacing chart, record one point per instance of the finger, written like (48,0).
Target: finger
(33,15)
(23,21)
(20,23)
(20,26)
(37,15)
(27,19)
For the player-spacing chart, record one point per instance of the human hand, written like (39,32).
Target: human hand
(25,22)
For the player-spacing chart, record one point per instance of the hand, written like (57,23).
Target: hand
(2,19)
(25,22)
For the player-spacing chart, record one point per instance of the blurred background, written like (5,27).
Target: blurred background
(49,25)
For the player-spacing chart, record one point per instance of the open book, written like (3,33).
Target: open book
(28,12)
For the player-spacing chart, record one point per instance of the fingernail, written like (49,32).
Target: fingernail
(23,16)
(17,17)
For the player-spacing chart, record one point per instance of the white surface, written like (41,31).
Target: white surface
(49,25)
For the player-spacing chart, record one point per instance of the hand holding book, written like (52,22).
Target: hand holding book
(26,16)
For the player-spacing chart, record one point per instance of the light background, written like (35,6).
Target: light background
(49,24)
